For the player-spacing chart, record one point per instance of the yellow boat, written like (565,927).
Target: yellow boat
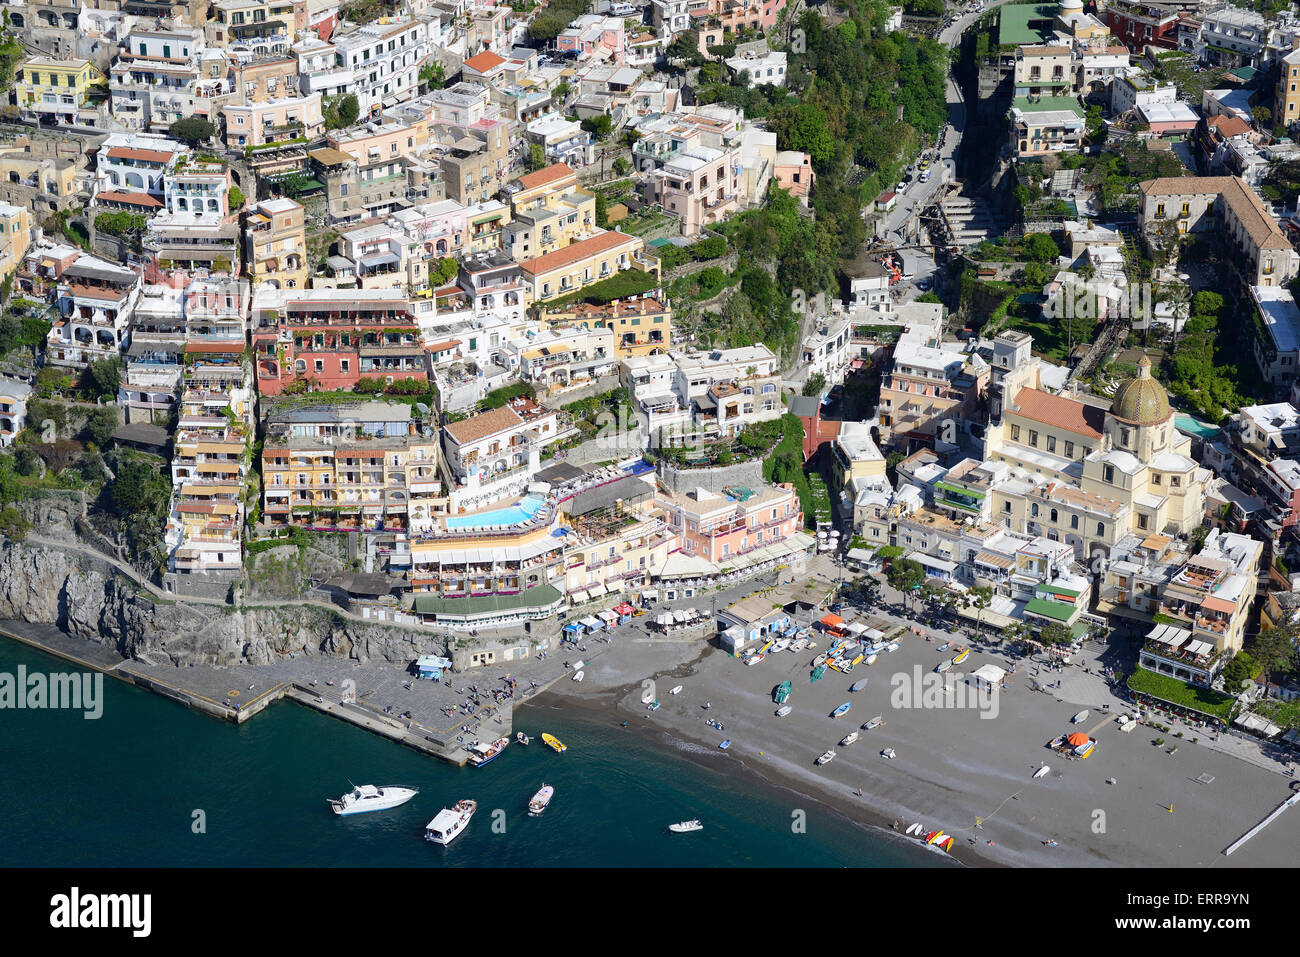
(554,743)
(961,657)
(857,660)
(936,838)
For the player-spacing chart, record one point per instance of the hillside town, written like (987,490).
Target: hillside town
(503,321)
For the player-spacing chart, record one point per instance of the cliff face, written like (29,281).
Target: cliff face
(86,599)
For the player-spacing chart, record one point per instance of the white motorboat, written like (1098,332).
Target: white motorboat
(677,690)
(827,757)
(849,739)
(541,799)
(367,797)
(686,826)
(450,822)
(1041,771)
(577,675)
(1079,717)
(888,753)
(780,645)
(782,711)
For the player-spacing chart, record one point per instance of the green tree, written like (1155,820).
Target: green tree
(192,131)
(1240,669)
(236,198)
(685,46)
(101,424)
(536,157)
(1274,649)
(804,128)
(598,126)
(443,271)
(621,166)
(433,75)
(137,490)
(816,382)
(1042,248)
(103,377)
(981,596)
(12,524)
(905,575)
(1054,633)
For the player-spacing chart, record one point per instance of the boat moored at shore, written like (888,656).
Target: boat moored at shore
(480,755)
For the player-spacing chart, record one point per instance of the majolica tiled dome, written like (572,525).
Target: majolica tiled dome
(1141,401)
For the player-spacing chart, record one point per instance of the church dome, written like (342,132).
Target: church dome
(1071,6)
(1141,401)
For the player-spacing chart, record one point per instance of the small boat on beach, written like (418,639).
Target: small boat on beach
(914,828)
(858,685)
(554,743)
(725,744)
(945,646)
(943,666)
(677,690)
(799,644)
(934,837)
(1128,725)
(827,757)
(782,711)
(893,646)
(819,661)
(522,738)
(755,659)
(686,827)
(849,739)
(367,797)
(653,705)
(449,822)
(1041,771)
(842,710)
(962,656)
(874,723)
(541,799)
(889,753)
(782,692)
(1079,717)
(780,646)
(577,676)
(871,659)
(945,844)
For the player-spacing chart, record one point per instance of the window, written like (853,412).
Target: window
(1015,433)
(1175,481)
(1053,516)
(1101,528)
(1074,521)
(1033,510)
(1142,521)
(1155,478)
(1108,474)
(1033,438)
(1069,450)
(1051,443)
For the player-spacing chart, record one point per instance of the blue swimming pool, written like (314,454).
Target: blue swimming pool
(504,517)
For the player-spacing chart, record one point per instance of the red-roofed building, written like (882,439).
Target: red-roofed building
(585,262)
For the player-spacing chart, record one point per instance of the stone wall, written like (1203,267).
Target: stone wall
(713,479)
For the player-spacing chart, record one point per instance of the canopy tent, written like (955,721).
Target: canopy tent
(624,609)
(650,594)
(832,621)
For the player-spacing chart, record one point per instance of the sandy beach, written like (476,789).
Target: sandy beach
(970,776)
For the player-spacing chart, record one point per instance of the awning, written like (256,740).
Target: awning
(572,627)
(596,590)
(578,597)
(857,628)
(591,621)
(608,617)
(381,259)
(928,561)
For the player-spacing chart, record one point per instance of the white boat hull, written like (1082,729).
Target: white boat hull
(369,798)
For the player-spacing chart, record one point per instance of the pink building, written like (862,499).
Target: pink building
(699,186)
(727,18)
(794,173)
(722,526)
(592,34)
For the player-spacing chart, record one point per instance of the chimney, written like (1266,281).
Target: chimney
(1295,41)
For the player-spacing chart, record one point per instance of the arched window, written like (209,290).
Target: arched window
(1033,510)
(1101,528)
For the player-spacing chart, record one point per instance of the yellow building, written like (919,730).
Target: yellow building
(275,244)
(44,85)
(1286,97)
(550,212)
(585,262)
(641,326)
(15,237)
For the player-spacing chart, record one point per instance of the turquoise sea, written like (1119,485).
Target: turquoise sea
(124,790)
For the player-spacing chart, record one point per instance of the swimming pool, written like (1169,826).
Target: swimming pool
(505,517)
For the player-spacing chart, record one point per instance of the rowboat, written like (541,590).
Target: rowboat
(945,844)
(849,739)
(1041,771)
(871,659)
(725,744)
(754,659)
(874,723)
(554,743)
(889,753)
(782,711)
(819,661)
(892,646)
(782,692)
(841,711)
(653,705)
(1079,717)
(934,837)
(577,676)
(857,660)
(677,690)
(914,828)
(945,646)
(943,666)
(858,685)
(826,757)
(521,737)
(961,657)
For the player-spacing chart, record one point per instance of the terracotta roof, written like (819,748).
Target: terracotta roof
(131,199)
(1228,126)
(442,346)
(545,176)
(575,253)
(483,425)
(148,156)
(1233,191)
(1045,50)
(485,61)
(1069,414)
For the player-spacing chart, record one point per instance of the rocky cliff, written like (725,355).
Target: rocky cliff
(87,598)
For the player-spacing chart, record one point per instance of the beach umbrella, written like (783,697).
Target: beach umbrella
(1078,738)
